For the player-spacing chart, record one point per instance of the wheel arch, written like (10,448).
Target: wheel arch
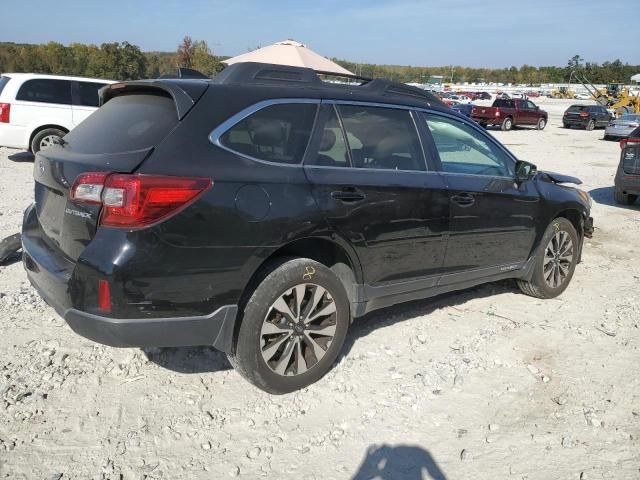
(44,127)
(322,250)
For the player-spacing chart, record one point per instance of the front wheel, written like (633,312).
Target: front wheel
(555,261)
(293,327)
(541,124)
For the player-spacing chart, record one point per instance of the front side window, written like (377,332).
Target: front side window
(277,133)
(382,138)
(462,149)
(45,90)
(88,94)
(530,105)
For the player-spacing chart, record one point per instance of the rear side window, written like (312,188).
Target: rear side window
(3,81)
(277,133)
(382,138)
(125,123)
(87,94)
(46,90)
(504,104)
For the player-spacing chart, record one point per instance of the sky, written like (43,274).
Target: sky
(476,33)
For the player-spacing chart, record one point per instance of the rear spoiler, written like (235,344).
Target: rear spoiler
(185,93)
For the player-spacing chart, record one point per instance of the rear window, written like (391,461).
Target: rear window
(578,108)
(503,103)
(125,123)
(87,94)
(278,133)
(3,81)
(45,90)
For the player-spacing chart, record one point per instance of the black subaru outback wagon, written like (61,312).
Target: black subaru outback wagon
(263,210)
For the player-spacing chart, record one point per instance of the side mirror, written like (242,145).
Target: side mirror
(525,171)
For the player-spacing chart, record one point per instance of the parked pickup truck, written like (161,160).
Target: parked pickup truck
(509,113)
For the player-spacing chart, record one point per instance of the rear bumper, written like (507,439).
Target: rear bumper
(12,136)
(628,183)
(53,277)
(575,122)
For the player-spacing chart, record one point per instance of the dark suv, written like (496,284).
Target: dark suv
(586,116)
(260,212)
(627,182)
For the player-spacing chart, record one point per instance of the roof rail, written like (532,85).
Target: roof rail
(265,73)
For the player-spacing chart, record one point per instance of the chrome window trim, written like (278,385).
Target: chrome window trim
(220,130)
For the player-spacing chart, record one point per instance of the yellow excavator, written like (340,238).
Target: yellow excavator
(615,96)
(562,92)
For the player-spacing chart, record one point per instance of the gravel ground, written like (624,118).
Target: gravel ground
(485,383)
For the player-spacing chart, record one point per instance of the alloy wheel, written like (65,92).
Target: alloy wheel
(298,329)
(558,257)
(49,141)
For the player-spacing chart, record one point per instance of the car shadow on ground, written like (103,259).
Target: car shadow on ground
(385,317)
(401,462)
(188,359)
(21,157)
(604,196)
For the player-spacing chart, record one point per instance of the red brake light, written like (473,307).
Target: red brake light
(624,141)
(584,114)
(104,296)
(5,112)
(133,201)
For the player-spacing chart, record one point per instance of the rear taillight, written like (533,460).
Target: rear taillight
(104,296)
(5,112)
(497,113)
(133,201)
(624,141)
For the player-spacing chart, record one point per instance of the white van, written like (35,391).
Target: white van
(37,110)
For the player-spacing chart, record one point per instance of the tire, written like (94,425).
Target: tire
(566,125)
(507,124)
(541,124)
(591,125)
(552,273)
(607,138)
(275,353)
(45,138)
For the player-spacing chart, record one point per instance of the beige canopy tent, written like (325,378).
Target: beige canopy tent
(291,53)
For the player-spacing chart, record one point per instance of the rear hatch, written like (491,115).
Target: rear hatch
(577,112)
(117,138)
(631,158)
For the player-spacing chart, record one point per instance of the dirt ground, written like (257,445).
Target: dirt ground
(482,384)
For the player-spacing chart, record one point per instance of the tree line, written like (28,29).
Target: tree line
(125,61)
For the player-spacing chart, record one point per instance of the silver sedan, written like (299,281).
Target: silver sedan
(623,126)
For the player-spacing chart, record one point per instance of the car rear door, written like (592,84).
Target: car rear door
(493,218)
(369,177)
(85,99)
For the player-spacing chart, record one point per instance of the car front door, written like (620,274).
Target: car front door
(85,99)
(370,179)
(493,217)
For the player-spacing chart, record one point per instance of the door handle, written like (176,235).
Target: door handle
(348,195)
(463,199)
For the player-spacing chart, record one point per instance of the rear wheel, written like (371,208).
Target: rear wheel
(46,138)
(591,125)
(293,327)
(541,124)
(555,261)
(507,124)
